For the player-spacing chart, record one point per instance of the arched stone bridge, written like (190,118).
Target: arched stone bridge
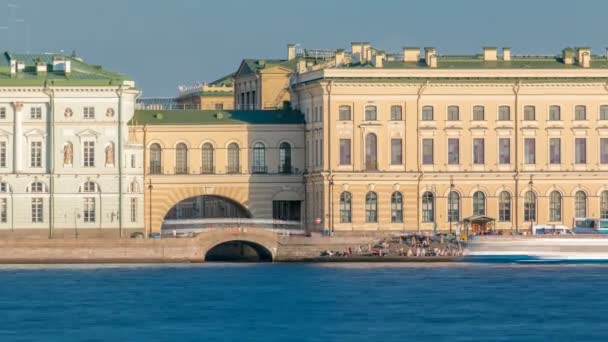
(264,242)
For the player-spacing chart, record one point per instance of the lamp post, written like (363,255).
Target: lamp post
(150,187)
(450,210)
(530,205)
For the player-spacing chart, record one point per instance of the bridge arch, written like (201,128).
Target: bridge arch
(207,206)
(223,244)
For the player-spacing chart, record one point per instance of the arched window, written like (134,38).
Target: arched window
(233,158)
(555,206)
(504,207)
(453,207)
(345,207)
(479,203)
(371,113)
(371,207)
(530,206)
(580,112)
(134,187)
(181,159)
(397,207)
(604,205)
(428,207)
(208,165)
(529,113)
(37,187)
(89,187)
(155,159)
(371,152)
(479,113)
(580,204)
(555,113)
(285,158)
(259,158)
(453,113)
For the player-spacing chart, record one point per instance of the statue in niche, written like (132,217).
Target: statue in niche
(110,154)
(68,154)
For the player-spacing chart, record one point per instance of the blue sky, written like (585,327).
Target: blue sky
(162,44)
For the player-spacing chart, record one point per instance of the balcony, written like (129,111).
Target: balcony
(371,165)
(233,169)
(285,169)
(207,169)
(259,169)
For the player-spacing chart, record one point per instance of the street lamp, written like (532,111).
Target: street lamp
(531,205)
(450,210)
(150,210)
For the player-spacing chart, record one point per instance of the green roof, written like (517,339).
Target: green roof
(253,65)
(217,117)
(82,74)
(226,81)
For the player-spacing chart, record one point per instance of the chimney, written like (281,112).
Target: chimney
(355,51)
(339,57)
(20,66)
(365,52)
(291,52)
(62,64)
(584,56)
(506,54)
(13,67)
(40,68)
(489,53)
(568,56)
(301,67)
(411,54)
(378,60)
(430,57)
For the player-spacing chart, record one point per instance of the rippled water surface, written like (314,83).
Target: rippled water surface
(299,302)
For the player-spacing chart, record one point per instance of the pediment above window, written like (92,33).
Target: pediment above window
(87,134)
(34,133)
(4,133)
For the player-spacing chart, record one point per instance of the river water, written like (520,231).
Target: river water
(304,302)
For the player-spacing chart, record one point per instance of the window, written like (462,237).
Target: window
(529,113)
(4,187)
(428,207)
(133,161)
(604,112)
(371,113)
(285,158)
(89,187)
(233,158)
(580,204)
(36,154)
(604,150)
(580,112)
(427,113)
(2,112)
(529,151)
(133,209)
(396,152)
(36,113)
(155,159)
(504,207)
(133,187)
(37,187)
(286,210)
(580,151)
(504,113)
(453,113)
(344,113)
(604,205)
(3,210)
(259,158)
(555,113)
(89,154)
(371,152)
(2,153)
(396,114)
(88,211)
(504,151)
(208,165)
(479,151)
(479,203)
(555,206)
(453,207)
(88,113)
(453,151)
(555,151)
(427,151)
(371,207)
(181,159)
(37,210)
(216,106)
(345,152)
(479,113)
(345,207)
(397,207)
(530,206)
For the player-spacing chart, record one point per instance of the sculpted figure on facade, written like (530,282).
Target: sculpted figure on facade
(68,154)
(110,154)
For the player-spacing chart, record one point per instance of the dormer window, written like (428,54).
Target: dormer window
(88,113)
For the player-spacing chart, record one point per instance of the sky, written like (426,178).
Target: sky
(163,44)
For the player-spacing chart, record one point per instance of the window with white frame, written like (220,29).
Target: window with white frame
(88,213)
(3,210)
(37,210)
(88,113)
(36,113)
(36,154)
(88,154)
(37,187)
(2,112)
(2,153)
(133,209)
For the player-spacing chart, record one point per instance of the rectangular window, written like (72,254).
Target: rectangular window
(604,150)
(453,151)
(316,114)
(427,151)
(2,112)
(345,152)
(396,114)
(479,113)
(321,152)
(37,210)
(132,161)
(604,112)
(580,112)
(529,113)
(88,113)
(453,113)
(479,149)
(371,113)
(427,113)
(36,113)
(555,151)
(504,151)
(89,210)
(504,113)
(580,151)
(316,152)
(89,154)
(36,154)
(133,210)
(218,106)
(3,210)
(320,113)
(396,152)
(344,113)
(529,151)
(2,153)
(555,113)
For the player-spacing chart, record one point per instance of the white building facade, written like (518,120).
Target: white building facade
(67,167)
